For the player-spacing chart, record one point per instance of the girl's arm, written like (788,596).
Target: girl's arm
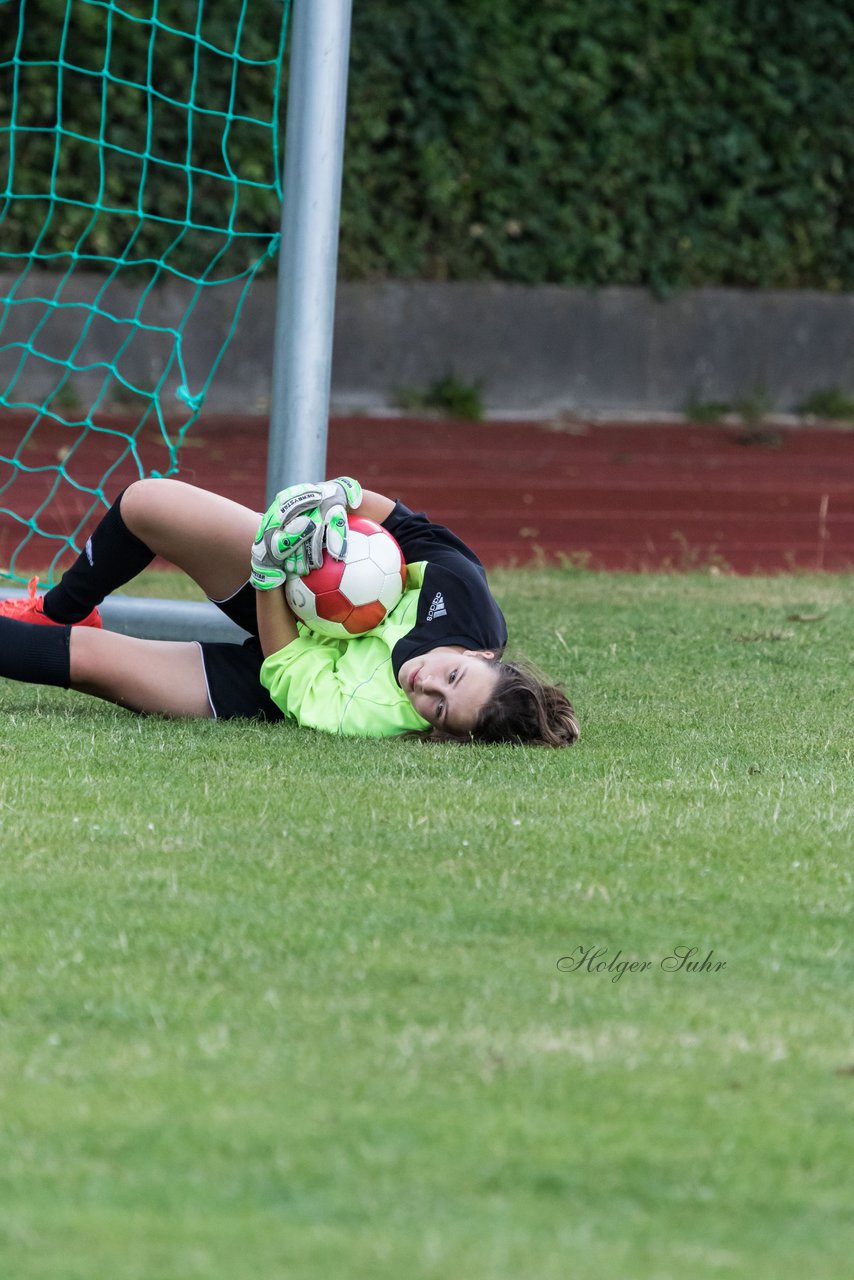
(374,506)
(277,626)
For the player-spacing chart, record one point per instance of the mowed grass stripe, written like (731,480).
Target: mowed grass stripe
(274,1004)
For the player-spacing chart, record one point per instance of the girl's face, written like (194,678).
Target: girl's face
(448,686)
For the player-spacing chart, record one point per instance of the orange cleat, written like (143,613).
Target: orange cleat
(30,609)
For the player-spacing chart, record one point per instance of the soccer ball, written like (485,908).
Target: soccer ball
(345,598)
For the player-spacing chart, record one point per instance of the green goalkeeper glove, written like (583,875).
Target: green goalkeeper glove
(276,553)
(339,496)
(302,520)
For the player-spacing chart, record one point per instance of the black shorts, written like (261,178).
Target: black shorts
(232,671)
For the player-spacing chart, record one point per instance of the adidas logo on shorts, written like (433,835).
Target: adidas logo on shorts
(437,608)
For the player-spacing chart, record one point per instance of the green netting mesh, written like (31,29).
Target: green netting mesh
(139,197)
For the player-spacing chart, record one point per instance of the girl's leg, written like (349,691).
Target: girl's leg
(143,675)
(155,676)
(206,535)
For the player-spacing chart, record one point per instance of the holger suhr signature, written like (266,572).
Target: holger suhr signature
(679,960)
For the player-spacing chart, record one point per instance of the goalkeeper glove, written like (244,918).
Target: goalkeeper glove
(265,572)
(303,519)
(271,557)
(339,496)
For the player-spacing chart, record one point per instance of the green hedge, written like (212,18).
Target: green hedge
(663,142)
(666,142)
(146,131)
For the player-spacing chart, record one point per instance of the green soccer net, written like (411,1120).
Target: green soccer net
(139,197)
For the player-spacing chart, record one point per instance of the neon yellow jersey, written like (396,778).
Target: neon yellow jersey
(348,687)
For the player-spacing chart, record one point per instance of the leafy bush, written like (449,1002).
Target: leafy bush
(661,142)
(137,174)
(449,396)
(829,402)
(670,143)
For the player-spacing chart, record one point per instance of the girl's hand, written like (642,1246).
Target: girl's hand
(304,519)
(339,497)
(265,573)
(277,550)
(288,504)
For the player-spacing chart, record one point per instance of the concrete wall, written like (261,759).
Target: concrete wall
(535,351)
(550,348)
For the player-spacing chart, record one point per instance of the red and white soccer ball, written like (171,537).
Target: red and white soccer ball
(345,598)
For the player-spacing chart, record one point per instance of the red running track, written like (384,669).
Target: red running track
(613,496)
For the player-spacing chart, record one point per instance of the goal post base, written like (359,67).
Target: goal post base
(154,619)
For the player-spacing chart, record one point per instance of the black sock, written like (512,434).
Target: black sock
(111,557)
(32,652)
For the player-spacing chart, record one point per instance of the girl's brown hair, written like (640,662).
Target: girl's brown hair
(524,709)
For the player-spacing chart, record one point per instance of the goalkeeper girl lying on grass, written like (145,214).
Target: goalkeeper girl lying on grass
(434,665)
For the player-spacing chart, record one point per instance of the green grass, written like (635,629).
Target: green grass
(274,1005)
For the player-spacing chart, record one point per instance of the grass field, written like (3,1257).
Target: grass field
(275,1006)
